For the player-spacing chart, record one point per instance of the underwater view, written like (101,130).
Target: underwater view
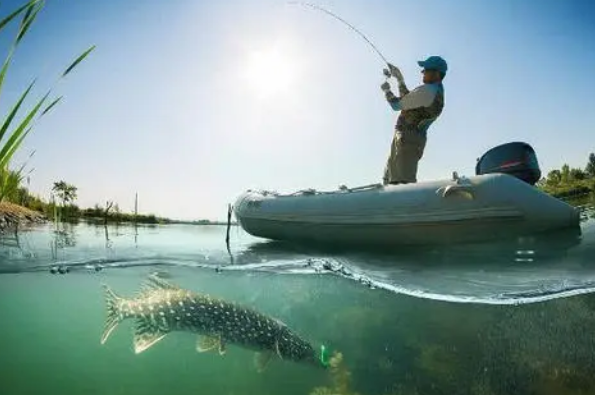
(510,317)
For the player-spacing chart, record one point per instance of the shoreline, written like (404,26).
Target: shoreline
(12,216)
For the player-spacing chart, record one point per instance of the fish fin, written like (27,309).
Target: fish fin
(146,335)
(261,360)
(277,349)
(144,292)
(156,282)
(208,343)
(113,312)
(280,322)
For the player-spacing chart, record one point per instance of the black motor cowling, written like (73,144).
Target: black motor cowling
(517,159)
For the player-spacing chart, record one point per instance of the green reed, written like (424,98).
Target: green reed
(12,136)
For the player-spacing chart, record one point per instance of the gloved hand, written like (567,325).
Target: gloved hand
(395,72)
(385,87)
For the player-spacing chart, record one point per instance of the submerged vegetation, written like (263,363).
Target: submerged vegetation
(570,182)
(424,349)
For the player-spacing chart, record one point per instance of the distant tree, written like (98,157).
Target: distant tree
(542,183)
(565,173)
(590,169)
(65,192)
(553,177)
(108,206)
(577,175)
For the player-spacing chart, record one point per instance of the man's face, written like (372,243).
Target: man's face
(431,76)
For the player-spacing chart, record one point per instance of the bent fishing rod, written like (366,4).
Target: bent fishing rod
(315,7)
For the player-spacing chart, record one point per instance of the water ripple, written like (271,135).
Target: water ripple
(524,270)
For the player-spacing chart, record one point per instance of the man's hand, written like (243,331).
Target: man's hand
(395,72)
(385,87)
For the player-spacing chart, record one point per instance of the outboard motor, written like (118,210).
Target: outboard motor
(517,159)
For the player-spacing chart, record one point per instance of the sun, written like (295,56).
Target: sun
(269,72)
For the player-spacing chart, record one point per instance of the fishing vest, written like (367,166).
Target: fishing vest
(419,119)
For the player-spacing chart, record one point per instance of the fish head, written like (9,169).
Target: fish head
(313,356)
(300,350)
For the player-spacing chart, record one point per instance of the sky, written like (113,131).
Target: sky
(190,103)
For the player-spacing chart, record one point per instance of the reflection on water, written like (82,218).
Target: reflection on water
(64,236)
(10,240)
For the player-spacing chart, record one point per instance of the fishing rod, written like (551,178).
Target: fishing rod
(313,6)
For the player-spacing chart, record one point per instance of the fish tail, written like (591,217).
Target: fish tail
(112,303)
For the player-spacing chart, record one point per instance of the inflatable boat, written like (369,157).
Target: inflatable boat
(500,201)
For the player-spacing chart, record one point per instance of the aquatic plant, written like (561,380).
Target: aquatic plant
(10,181)
(11,141)
(340,378)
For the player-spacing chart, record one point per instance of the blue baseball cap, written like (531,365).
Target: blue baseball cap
(434,63)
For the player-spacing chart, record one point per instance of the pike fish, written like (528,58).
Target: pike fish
(163,307)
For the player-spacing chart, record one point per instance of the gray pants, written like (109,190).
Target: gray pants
(406,150)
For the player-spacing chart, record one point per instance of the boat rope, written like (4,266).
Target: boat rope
(312,191)
(342,188)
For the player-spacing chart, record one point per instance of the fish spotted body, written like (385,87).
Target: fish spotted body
(162,308)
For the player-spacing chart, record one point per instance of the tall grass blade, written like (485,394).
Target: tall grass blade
(10,182)
(15,146)
(48,108)
(78,60)
(29,6)
(10,17)
(28,20)
(27,14)
(9,147)
(5,66)
(14,111)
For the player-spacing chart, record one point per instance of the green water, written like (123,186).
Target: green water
(513,317)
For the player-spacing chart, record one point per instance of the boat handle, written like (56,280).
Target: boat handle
(467,191)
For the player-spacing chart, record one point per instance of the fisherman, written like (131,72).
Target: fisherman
(419,109)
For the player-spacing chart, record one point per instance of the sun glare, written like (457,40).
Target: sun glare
(269,73)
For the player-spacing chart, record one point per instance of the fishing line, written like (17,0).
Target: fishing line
(346,23)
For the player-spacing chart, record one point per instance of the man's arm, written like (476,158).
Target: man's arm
(394,101)
(403,89)
(422,96)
